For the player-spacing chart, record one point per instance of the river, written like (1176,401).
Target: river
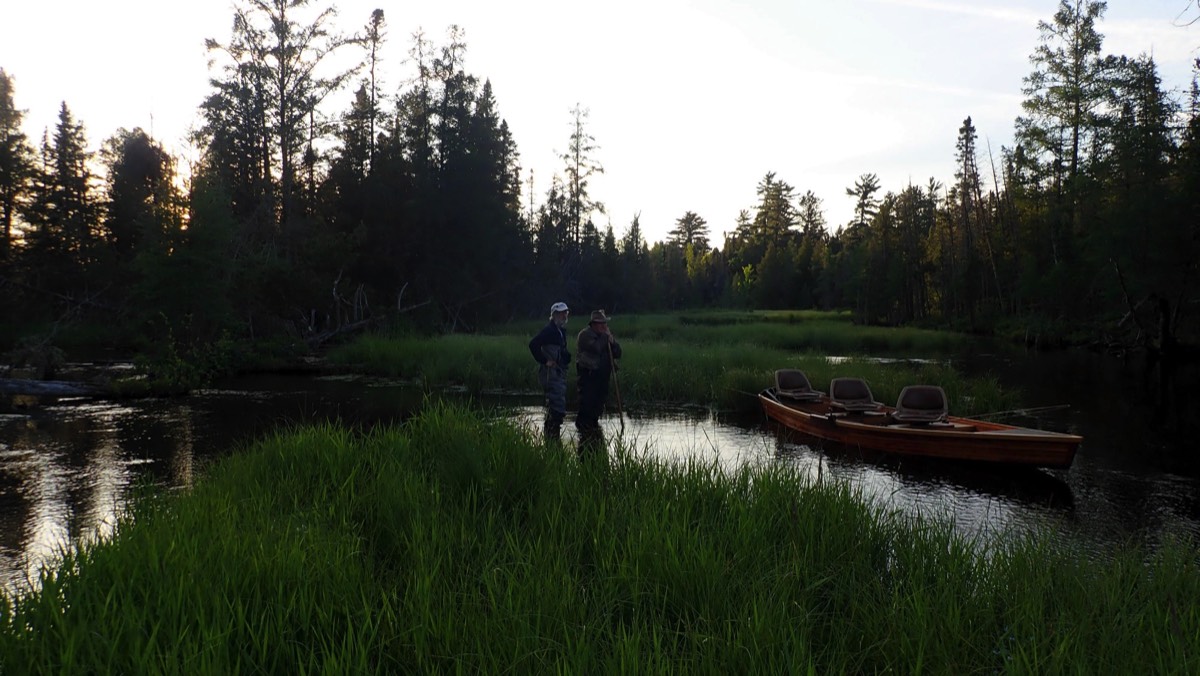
(67,469)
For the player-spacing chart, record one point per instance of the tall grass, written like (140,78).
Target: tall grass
(709,359)
(477,362)
(455,545)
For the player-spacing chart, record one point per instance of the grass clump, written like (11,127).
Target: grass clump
(718,359)
(453,544)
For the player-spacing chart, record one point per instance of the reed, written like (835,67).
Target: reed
(478,362)
(458,544)
(715,359)
(825,332)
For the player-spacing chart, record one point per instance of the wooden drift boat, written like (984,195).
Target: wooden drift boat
(918,425)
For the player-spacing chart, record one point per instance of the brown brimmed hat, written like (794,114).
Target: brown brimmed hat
(598,317)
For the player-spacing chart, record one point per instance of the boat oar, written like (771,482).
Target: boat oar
(616,385)
(1020,411)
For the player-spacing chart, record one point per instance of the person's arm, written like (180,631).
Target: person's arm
(535,347)
(585,346)
(588,342)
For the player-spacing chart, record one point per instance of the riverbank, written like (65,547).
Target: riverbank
(716,359)
(455,543)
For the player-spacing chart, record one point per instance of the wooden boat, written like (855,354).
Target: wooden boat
(918,426)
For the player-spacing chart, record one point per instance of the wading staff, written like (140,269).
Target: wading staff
(616,385)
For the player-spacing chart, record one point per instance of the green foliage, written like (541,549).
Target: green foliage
(454,544)
(174,366)
(476,362)
(716,359)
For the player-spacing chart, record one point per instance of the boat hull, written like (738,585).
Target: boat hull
(956,439)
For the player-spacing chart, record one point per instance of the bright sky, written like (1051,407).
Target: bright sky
(691,102)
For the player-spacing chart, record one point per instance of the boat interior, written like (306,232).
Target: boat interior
(917,405)
(793,384)
(853,395)
(921,404)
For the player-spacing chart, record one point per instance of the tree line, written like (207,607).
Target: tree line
(299,220)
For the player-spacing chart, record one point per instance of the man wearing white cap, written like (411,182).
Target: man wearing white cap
(549,348)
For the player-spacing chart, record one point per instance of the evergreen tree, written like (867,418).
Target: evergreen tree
(708,276)
(581,166)
(811,216)
(63,216)
(263,108)
(143,200)
(551,241)
(633,269)
(971,224)
(690,230)
(17,163)
(374,39)
(1143,237)
(865,204)
(811,253)
(776,215)
(145,213)
(1064,112)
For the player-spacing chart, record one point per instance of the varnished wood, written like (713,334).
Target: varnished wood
(956,439)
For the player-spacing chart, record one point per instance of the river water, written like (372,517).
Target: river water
(68,468)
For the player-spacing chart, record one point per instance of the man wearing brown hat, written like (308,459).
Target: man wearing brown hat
(596,348)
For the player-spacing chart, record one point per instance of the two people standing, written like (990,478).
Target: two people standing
(597,349)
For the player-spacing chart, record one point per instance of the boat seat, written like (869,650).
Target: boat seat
(793,384)
(921,404)
(852,395)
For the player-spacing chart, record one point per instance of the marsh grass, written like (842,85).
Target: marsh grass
(452,544)
(720,359)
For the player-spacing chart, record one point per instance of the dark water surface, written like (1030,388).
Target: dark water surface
(67,469)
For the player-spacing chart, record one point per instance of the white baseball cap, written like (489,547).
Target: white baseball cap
(559,307)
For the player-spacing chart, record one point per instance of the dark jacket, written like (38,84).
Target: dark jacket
(550,343)
(593,350)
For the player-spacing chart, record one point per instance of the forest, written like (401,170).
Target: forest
(301,223)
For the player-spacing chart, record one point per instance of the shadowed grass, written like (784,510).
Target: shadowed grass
(455,545)
(478,362)
(717,359)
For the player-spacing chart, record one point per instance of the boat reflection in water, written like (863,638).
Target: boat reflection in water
(1029,486)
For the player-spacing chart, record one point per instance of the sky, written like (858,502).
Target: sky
(690,102)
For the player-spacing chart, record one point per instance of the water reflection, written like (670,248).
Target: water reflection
(59,483)
(67,470)
(982,502)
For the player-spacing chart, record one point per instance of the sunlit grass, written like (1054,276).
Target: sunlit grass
(457,545)
(723,360)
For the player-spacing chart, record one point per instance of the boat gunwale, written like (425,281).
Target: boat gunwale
(984,441)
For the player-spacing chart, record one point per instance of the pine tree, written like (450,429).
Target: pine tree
(776,215)
(261,112)
(1063,114)
(865,204)
(690,231)
(1143,237)
(17,162)
(374,39)
(581,167)
(63,215)
(143,201)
